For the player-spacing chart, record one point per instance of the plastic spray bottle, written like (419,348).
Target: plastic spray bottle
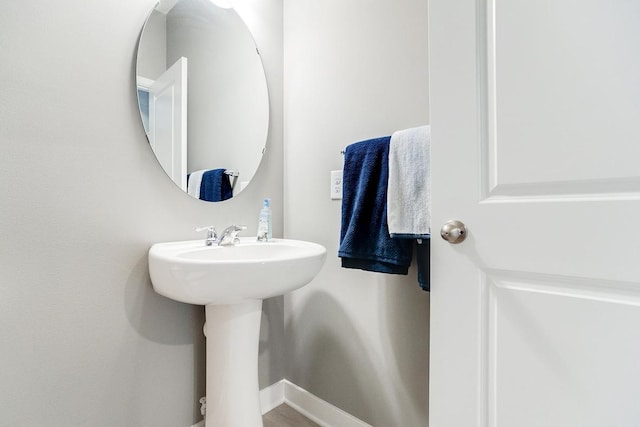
(264,221)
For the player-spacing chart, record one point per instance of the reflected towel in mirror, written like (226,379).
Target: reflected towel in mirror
(211,185)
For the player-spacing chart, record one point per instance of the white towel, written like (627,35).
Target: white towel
(195,181)
(409,187)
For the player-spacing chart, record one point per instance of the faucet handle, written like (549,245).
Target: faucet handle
(239,228)
(211,234)
(210,229)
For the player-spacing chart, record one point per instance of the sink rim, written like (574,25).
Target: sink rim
(174,251)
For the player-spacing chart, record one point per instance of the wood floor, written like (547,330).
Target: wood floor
(285,416)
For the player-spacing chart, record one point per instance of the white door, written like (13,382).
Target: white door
(535,120)
(168,121)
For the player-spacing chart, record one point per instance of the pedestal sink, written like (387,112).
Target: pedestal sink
(231,282)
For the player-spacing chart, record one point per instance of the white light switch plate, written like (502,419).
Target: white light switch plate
(336,185)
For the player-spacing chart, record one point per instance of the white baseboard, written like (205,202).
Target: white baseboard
(309,405)
(272,396)
(318,410)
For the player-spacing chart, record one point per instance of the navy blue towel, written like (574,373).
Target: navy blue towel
(215,186)
(423,255)
(364,236)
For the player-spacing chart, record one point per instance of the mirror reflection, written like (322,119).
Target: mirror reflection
(203,97)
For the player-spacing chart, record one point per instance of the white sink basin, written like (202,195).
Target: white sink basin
(197,274)
(231,282)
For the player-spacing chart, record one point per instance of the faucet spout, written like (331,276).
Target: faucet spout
(230,235)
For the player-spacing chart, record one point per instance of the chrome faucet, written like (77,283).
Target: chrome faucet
(230,235)
(212,236)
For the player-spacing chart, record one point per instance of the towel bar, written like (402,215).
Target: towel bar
(234,174)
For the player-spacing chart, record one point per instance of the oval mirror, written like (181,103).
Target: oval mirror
(203,96)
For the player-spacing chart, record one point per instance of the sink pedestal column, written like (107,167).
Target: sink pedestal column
(233,336)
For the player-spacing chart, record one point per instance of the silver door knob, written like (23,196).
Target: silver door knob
(454,231)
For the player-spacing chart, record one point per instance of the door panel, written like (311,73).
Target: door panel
(556,349)
(534,146)
(168,121)
(564,77)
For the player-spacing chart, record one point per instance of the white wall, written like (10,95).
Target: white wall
(353,70)
(85,340)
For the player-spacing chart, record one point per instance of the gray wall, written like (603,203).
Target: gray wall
(353,70)
(84,339)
